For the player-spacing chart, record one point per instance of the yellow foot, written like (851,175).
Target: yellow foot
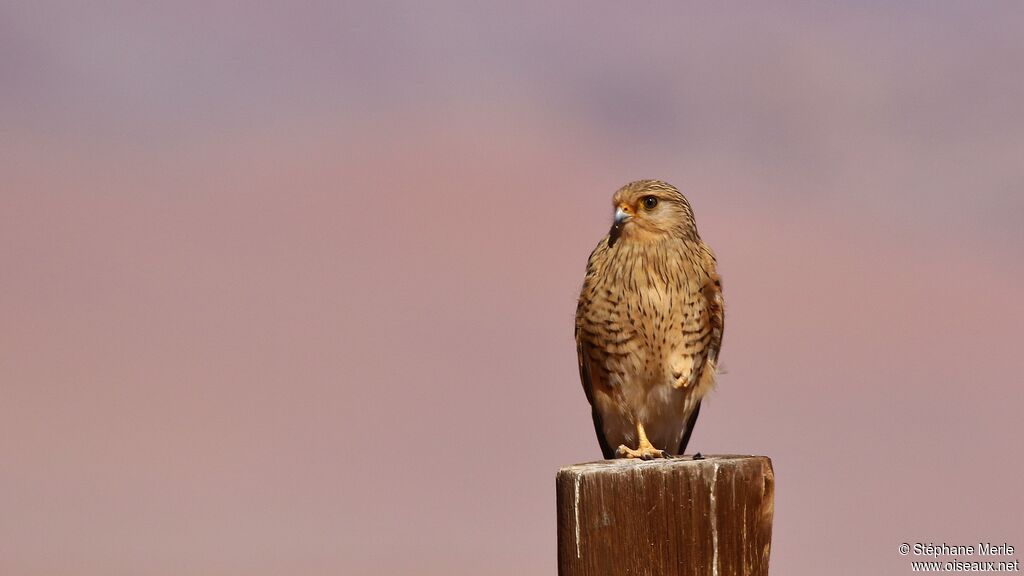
(647,452)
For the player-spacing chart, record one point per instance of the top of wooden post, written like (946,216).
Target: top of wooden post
(624,465)
(676,516)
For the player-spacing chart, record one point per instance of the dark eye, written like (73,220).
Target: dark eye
(650,202)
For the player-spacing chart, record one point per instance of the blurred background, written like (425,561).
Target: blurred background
(289,289)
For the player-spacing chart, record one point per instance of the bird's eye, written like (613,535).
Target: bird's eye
(650,202)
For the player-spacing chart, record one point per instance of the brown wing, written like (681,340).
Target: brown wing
(588,385)
(584,360)
(588,388)
(715,303)
(584,301)
(716,314)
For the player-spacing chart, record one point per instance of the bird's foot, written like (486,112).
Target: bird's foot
(647,452)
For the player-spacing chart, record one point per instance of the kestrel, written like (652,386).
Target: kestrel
(649,324)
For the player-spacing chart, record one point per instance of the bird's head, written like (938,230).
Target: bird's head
(649,211)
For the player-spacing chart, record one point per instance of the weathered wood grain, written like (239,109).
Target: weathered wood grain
(666,517)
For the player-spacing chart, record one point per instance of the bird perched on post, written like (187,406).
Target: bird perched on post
(649,324)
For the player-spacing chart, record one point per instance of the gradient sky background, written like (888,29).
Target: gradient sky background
(290,289)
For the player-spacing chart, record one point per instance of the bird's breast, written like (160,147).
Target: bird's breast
(642,306)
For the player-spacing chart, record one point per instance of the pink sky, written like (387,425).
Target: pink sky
(291,290)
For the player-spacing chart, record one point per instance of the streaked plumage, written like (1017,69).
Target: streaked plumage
(649,324)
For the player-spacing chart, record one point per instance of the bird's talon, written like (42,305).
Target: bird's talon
(645,453)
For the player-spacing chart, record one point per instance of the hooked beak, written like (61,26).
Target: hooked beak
(621,217)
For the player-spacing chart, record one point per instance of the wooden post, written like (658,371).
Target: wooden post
(666,517)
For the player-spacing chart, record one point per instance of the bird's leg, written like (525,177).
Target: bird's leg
(646,451)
